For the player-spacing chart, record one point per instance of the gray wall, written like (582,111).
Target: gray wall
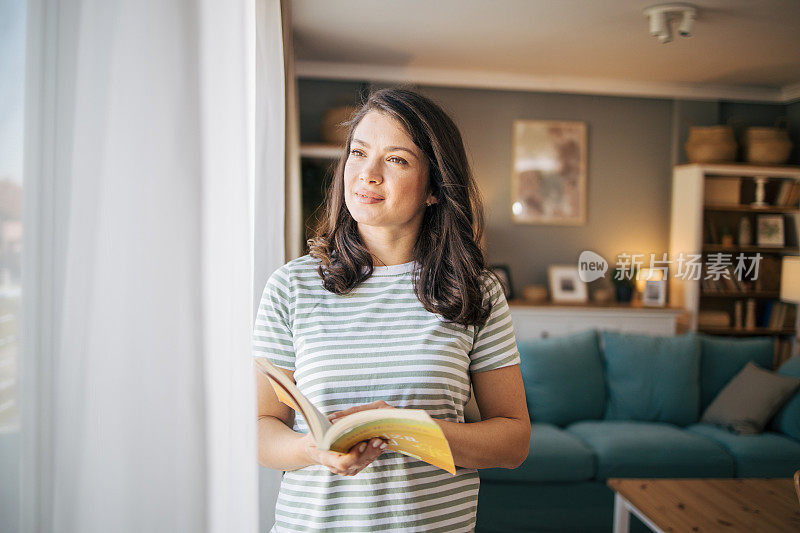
(632,145)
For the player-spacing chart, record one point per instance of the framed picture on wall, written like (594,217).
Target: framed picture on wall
(566,285)
(548,172)
(654,293)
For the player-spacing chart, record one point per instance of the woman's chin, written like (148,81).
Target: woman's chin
(365,214)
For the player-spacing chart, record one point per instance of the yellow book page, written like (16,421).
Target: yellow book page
(283,395)
(423,441)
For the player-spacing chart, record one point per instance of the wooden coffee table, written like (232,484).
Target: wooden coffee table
(706,505)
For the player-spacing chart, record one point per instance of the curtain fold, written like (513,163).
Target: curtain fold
(139,389)
(277,184)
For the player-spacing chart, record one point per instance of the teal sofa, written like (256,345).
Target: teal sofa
(606,404)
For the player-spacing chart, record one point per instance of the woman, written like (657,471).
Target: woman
(411,332)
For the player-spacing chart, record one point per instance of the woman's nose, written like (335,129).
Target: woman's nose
(371,173)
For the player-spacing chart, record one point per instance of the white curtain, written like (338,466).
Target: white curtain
(138,392)
(277,186)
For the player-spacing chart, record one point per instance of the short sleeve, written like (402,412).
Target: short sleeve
(272,333)
(495,344)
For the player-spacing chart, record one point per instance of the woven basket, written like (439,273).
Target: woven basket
(711,144)
(767,146)
(331,127)
(535,293)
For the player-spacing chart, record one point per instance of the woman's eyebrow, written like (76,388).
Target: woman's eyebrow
(389,148)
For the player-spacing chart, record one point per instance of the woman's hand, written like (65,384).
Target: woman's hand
(345,464)
(359,456)
(380,404)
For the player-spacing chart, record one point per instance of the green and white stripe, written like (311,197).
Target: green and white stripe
(377,343)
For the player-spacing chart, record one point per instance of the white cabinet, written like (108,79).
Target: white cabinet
(542,321)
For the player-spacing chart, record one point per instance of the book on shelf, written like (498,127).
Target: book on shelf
(722,191)
(766,314)
(411,432)
(794,195)
(782,198)
(778,317)
(712,236)
(788,194)
(727,282)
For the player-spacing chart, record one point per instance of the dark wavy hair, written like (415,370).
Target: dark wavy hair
(447,248)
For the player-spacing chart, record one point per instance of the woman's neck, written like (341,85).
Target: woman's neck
(388,248)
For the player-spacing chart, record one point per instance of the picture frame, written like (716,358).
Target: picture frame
(503,273)
(548,182)
(566,285)
(769,231)
(654,293)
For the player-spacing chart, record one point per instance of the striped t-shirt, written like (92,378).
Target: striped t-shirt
(377,343)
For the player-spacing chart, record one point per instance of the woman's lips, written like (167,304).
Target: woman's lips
(365,199)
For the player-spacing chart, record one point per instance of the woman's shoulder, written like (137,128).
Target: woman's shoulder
(304,263)
(490,284)
(302,267)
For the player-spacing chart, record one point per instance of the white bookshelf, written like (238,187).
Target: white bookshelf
(688,231)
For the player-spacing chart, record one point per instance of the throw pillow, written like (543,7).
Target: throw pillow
(787,421)
(563,378)
(721,358)
(652,378)
(752,397)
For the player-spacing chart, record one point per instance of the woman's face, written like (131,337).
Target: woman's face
(385,176)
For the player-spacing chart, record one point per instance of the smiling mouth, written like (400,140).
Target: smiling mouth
(366,197)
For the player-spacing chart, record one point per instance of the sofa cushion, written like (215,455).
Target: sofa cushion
(750,400)
(554,455)
(563,378)
(723,357)
(651,449)
(652,378)
(761,455)
(788,418)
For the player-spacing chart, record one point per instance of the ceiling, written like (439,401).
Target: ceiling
(740,49)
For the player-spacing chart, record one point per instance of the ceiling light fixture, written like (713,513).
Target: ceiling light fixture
(662,15)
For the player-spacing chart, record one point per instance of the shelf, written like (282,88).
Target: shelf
(744,170)
(741,332)
(784,250)
(591,306)
(741,294)
(320,151)
(749,209)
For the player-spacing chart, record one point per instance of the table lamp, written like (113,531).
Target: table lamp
(790,283)
(790,279)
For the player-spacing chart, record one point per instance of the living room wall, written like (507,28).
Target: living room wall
(632,145)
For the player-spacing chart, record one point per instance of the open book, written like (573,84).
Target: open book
(408,431)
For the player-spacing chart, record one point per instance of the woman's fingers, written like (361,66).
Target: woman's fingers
(359,457)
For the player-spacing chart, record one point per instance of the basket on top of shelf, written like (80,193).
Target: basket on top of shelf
(332,126)
(711,144)
(768,146)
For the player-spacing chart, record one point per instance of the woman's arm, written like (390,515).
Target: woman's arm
(278,445)
(502,437)
(282,448)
